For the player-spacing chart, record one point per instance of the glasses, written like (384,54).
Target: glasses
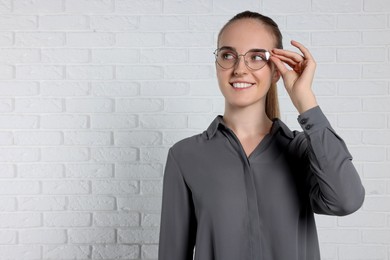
(254,59)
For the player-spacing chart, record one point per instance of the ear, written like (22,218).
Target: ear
(275,75)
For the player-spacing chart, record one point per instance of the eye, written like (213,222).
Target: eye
(226,55)
(258,56)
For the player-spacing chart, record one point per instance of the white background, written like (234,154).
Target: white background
(94,92)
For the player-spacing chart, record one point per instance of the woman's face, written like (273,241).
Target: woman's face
(242,36)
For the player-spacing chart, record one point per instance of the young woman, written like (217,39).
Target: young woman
(247,187)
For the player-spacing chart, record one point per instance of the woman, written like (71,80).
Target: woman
(247,187)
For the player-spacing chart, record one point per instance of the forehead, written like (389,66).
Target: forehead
(247,34)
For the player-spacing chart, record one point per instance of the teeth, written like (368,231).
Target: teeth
(241,85)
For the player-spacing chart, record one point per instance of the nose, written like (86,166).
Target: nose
(240,66)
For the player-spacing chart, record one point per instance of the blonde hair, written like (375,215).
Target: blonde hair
(272,102)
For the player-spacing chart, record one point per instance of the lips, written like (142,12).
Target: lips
(241,85)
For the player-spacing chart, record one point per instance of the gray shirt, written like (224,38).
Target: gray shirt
(226,206)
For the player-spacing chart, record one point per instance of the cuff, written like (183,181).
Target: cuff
(313,120)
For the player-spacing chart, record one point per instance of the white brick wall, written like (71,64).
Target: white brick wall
(94,92)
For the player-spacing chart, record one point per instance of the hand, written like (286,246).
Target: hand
(299,78)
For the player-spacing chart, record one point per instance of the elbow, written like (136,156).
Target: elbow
(350,204)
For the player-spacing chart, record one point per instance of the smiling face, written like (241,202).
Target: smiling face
(240,85)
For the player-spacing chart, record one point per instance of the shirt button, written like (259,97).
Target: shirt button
(303,121)
(308,127)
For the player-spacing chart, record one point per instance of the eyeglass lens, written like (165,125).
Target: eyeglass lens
(253,59)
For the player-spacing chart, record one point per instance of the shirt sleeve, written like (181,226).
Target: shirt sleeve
(334,185)
(178,222)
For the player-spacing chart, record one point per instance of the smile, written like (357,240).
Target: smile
(241,85)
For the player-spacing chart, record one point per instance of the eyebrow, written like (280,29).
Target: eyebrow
(234,49)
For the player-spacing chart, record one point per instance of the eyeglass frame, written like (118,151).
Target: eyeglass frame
(266,52)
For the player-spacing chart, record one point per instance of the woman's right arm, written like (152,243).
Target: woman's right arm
(178,223)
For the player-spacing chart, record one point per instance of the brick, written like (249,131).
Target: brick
(115,252)
(66,187)
(89,138)
(377,104)
(171,137)
(7,171)
(138,39)
(377,137)
(171,88)
(6,72)
(40,171)
(67,219)
(92,105)
(205,88)
(115,56)
(142,203)
(138,105)
(67,251)
(115,23)
(139,72)
(115,187)
(65,56)
(150,220)
(345,236)
(380,37)
(149,251)
(207,22)
(21,251)
(39,72)
(41,204)
(159,55)
(325,222)
(229,7)
(347,6)
(185,7)
(6,6)
(7,204)
(280,6)
(138,171)
(63,22)
(64,121)
(6,105)
(19,155)
(64,88)
(163,121)
(189,72)
(114,121)
(163,23)
(90,39)
(18,22)
(200,122)
(39,39)
(17,187)
(14,88)
(154,154)
(376,170)
(38,138)
(6,38)
(361,54)
(94,170)
(151,187)
(115,89)
(183,105)
(41,105)
(359,252)
(20,55)
(42,236)
(350,136)
(194,39)
(20,220)
(324,55)
(94,203)
(336,38)
(362,88)
(38,6)
(336,104)
(96,6)
(6,138)
(363,219)
(376,6)
(65,154)
(357,21)
(202,55)
(114,154)
(139,7)
(368,153)
(137,138)
(89,72)
(374,187)
(141,236)
(8,237)
(376,71)
(339,71)
(311,22)
(116,219)
(92,235)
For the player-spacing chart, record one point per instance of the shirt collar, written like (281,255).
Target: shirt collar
(278,125)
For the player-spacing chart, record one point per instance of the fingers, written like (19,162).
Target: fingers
(291,56)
